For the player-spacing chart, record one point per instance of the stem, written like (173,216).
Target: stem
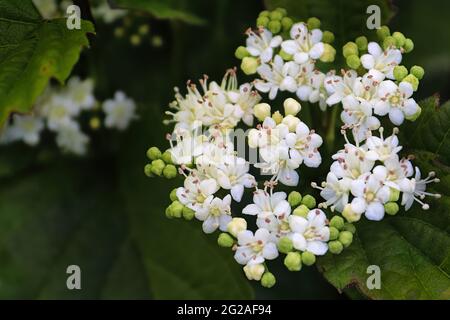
(331,131)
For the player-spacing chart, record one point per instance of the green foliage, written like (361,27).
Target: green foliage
(32,52)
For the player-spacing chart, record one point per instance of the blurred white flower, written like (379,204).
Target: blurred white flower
(119,111)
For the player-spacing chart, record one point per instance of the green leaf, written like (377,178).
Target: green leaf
(32,51)
(168,9)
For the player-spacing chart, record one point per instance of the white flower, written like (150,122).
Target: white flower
(305,45)
(189,144)
(104,12)
(414,190)
(383,149)
(383,61)
(245,100)
(25,127)
(310,234)
(270,209)
(232,174)
(255,249)
(60,112)
(196,191)
(335,191)
(351,162)
(277,76)
(119,111)
(395,101)
(80,92)
(215,213)
(261,43)
(71,139)
(340,87)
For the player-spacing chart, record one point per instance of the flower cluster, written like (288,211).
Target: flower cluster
(59,109)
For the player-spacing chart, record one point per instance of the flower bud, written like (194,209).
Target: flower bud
(291,106)
(225,240)
(135,40)
(361,42)
(241,52)
(329,53)
(334,233)
(408,46)
(291,122)
(308,258)
(168,212)
(301,211)
(349,227)
(335,247)
(261,111)
(188,213)
(394,194)
(277,117)
(254,271)
(285,245)
(286,23)
(157,167)
(285,56)
(153,153)
(415,115)
(400,72)
(276,15)
(293,261)
(119,32)
(268,280)
(176,209)
(349,214)
(417,71)
(346,238)
(309,201)
(236,225)
(148,170)
(383,32)
(173,194)
(274,26)
(353,61)
(264,13)
(249,65)
(294,198)
(399,38)
(413,81)
(337,222)
(389,42)
(167,157)
(327,37)
(170,171)
(313,23)
(350,48)
(283,11)
(95,123)
(391,208)
(262,22)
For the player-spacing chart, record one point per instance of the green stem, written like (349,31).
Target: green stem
(331,131)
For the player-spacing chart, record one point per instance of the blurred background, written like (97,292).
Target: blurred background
(102,213)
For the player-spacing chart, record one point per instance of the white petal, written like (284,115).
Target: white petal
(375,211)
(367,61)
(251,209)
(319,248)
(237,191)
(396,116)
(270,251)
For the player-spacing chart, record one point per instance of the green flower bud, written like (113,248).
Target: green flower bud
(277,117)
(268,280)
(349,214)
(284,55)
(329,53)
(168,212)
(399,38)
(148,170)
(350,48)
(417,71)
(241,52)
(283,11)
(383,32)
(167,157)
(301,211)
(188,213)
(170,171)
(334,233)
(135,40)
(415,115)
(286,23)
(394,194)
(264,13)
(309,201)
(249,65)
(327,37)
(285,245)
(337,222)
(294,198)
(143,29)
(346,238)
(276,15)
(291,122)
(119,32)
(274,26)
(158,167)
(391,208)
(262,22)
(261,111)
(389,42)
(408,46)
(353,61)
(153,153)
(413,80)
(400,72)
(225,240)
(313,23)
(335,247)
(308,258)
(176,209)
(349,227)
(293,261)
(173,194)
(361,42)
